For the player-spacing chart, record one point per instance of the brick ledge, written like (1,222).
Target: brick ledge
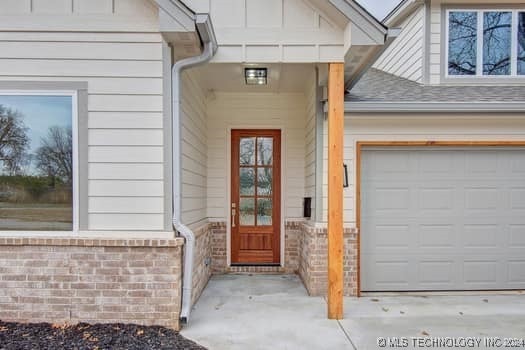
(91,242)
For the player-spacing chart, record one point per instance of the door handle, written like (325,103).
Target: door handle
(234,212)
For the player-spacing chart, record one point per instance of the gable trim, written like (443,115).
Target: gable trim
(367,23)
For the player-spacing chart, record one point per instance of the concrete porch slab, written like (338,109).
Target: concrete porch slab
(262,312)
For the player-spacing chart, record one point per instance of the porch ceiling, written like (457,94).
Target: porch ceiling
(229,77)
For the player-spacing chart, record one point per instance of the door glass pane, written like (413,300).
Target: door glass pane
(264,150)
(521,43)
(247,181)
(247,151)
(247,211)
(264,212)
(496,43)
(462,43)
(264,181)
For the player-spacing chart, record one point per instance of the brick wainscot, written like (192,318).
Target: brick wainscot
(91,280)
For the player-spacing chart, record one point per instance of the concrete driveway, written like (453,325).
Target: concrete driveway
(275,312)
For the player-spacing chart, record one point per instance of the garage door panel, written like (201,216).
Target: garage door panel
(517,235)
(388,273)
(517,198)
(433,236)
(436,272)
(482,272)
(481,162)
(424,228)
(516,274)
(481,236)
(439,163)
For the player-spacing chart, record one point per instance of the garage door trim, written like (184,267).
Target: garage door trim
(408,144)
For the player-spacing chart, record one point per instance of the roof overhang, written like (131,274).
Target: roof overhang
(402,11)
(177,25)
(434,107)
(366,38)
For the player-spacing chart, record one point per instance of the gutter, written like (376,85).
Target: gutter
(205,31)
(434,107)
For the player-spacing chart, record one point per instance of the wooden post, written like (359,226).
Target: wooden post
(335,189)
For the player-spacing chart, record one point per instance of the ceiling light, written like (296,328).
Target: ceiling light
(256,76)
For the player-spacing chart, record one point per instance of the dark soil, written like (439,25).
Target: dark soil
(83,336)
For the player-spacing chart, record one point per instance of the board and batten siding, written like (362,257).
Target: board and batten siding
(258,31)
(228,111)
(404,57)
(194,150)
(115,47)
(419,127)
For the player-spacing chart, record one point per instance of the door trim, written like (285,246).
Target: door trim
(408,144)
(228,141)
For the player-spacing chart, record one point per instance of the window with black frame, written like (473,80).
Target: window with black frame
(36,162)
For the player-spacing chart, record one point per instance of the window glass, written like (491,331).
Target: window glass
(247,211)
(264,211)
(36,163)
(247,151)
(521,43)
(264,151)
(496,43)
(462,43)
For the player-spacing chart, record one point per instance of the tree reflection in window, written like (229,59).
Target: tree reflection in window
(462,43)
(496,43)
(521,43)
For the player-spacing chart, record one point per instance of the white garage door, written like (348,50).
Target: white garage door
(442,219)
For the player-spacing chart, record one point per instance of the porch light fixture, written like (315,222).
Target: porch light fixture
(256,76)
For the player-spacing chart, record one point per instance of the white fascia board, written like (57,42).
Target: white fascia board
(434,107)
(367,23)
(174,16)
(402,11)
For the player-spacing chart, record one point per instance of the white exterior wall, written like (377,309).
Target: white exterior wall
(115,47)
(227,111)
(310,143)
(404,57)
(273,31)
(194,151)
(419,127)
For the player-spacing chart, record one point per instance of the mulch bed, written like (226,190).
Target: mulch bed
(83,336)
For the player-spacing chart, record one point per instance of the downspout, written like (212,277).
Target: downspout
(205,30)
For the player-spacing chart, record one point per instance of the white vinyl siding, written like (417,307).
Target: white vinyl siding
(404,57)
(310,143)
(419,127)
(284,111)
(194,150)
(114,46)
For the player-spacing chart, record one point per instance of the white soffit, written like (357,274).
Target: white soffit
(229,77)
(176,23)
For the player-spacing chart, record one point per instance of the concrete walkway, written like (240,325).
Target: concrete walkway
(275,312)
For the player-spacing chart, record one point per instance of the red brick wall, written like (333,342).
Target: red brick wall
(91,280)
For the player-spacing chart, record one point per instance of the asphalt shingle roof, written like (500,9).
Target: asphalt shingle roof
(378,86)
